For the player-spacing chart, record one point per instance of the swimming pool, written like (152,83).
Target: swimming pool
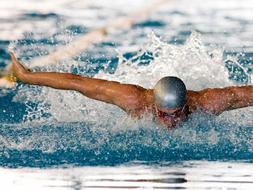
(62,140)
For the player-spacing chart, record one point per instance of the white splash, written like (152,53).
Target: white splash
(192,62)
(197,65)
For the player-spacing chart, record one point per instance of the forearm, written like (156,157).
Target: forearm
(65,81)
(242,96)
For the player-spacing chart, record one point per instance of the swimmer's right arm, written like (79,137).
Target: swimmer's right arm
(126,96)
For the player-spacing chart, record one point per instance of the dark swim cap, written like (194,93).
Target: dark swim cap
(170,92)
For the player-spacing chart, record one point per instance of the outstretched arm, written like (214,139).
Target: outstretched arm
(218,100)
(126,96)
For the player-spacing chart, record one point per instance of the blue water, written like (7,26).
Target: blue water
(45,128)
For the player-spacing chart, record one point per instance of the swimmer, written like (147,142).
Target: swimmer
(169,101)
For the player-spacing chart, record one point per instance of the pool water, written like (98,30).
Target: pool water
(52,139)
(185,175)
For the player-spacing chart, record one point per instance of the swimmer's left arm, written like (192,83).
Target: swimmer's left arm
(218,100)
(242,96)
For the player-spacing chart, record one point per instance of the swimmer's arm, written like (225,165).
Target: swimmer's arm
(126,96)
(218,100)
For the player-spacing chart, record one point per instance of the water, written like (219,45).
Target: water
(187,175)
(53,139)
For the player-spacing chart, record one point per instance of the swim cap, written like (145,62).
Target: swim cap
(170,92)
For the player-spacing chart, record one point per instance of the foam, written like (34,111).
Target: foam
(87,121)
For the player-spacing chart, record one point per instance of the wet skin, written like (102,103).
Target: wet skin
(136,100)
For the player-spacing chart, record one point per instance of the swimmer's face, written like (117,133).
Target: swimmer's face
(170,117)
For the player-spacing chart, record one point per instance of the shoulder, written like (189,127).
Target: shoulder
(210,100)
(131,97)
(141,103)
(193,100)
(201,100)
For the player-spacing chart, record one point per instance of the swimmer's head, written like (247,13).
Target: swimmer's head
(170,93)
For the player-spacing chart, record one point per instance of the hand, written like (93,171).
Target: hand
(18,69)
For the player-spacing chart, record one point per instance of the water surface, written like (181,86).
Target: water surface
(51,139)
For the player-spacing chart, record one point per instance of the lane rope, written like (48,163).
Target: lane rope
(82,43)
